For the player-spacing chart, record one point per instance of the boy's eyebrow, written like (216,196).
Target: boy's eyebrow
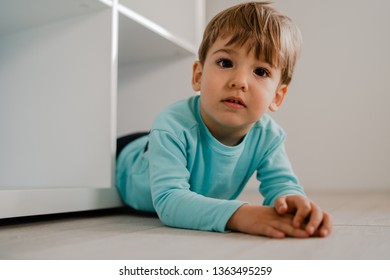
(228,51)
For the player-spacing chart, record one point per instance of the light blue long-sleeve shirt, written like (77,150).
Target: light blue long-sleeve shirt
(190,179)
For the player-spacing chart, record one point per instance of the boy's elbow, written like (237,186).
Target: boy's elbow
(163,211)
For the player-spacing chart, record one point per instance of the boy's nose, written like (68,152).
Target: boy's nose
(239,81)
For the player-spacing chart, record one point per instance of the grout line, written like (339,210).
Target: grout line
(344,225)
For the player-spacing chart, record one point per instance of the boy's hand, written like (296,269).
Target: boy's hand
(264,220)
(306,213)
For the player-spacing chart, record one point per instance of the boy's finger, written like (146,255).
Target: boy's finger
(326,228)
(273,233)
(316,218)
(303,211)
(291,231)
(281,205)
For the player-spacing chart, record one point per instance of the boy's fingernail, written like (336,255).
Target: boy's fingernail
(310,230)
(324,233)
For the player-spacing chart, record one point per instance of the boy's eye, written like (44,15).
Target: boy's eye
(225,63)
(261,72)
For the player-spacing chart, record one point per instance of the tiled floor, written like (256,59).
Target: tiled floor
(361,231)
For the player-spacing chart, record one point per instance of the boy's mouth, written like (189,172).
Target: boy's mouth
(234,102)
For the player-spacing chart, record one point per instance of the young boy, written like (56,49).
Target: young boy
(202,151)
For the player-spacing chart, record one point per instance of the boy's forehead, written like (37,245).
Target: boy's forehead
(221,42)
(225,42)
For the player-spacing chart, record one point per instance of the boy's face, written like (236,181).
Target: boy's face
(236,89)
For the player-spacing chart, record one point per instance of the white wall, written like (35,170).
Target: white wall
(337,111)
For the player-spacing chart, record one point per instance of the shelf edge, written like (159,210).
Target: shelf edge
(156,28)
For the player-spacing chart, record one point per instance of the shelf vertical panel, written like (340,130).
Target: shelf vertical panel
(55,104)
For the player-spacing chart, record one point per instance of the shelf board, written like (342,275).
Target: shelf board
(142,40)
(17,15)
(42,201)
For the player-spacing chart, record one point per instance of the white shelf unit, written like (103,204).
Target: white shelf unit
(58,101)
(157,46)
(143,40)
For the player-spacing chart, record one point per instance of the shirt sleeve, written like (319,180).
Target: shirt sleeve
(175,203)
(276,175)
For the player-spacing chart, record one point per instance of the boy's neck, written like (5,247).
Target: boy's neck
(229,138)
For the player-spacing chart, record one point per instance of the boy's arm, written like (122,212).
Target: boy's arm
(175,204)
(281,189)
(276,174)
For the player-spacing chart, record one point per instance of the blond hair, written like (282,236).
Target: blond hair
(273,36)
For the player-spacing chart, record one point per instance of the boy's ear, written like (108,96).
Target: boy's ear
(196,75)
(280,94)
